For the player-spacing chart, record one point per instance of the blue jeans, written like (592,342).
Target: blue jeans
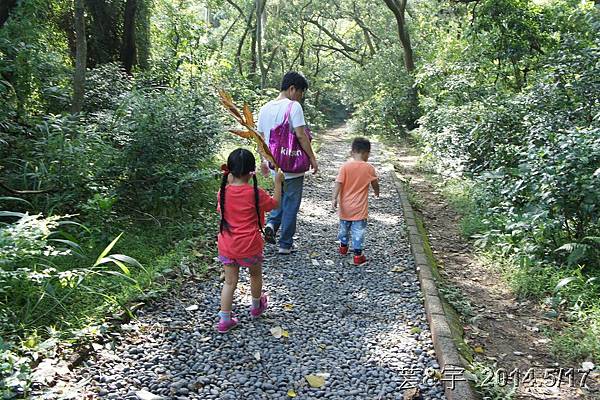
(358,229)
(285,216)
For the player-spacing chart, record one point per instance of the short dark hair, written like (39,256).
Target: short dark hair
(361,145)
(295,79)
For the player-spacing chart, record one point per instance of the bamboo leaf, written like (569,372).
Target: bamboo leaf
(563,282)
(591,280)
(577,254)
(126,259)
(566,247)
(119,263)
(120,275)
(9,198)
(68,243)
(12,214)
(76,224)
(107,249)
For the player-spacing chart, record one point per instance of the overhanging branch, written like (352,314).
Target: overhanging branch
(332,35)
(337,49)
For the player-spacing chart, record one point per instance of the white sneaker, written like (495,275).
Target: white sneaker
(285,251)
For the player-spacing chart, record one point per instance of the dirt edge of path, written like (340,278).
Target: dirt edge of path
(505,336)
(445,340)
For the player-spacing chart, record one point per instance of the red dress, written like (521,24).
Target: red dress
(243,239)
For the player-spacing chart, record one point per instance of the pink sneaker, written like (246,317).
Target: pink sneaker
(226,326)
(257,312)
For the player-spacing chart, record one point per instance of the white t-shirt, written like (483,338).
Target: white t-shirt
(271,115)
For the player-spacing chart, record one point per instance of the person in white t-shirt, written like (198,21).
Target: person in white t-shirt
(293,86)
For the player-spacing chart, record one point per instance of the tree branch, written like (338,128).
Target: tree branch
(332,35)
(14,191)
(341,51)
(238,8)
(398,8)
(228,31)
(238,54)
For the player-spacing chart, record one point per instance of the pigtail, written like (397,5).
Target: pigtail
(224,224)
(256,202)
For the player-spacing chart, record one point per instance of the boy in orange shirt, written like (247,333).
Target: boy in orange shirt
(352,187)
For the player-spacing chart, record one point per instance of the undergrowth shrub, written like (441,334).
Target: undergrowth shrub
(383,94)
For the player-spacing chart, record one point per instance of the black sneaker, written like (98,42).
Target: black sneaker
(269,235)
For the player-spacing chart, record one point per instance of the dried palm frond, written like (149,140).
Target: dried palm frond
(246,119)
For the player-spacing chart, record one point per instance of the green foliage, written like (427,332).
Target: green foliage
(171,136)
(106,88)
(456,299)
(534,154)
(34,279)
(511,106)
(33,74)
(580,340)
(15,371)
(486,380)
(507,91)
(383,95)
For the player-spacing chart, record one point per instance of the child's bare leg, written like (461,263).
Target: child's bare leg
(259,300)
(232,274)
(256,281)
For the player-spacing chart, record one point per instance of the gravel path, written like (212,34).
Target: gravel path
(363,329)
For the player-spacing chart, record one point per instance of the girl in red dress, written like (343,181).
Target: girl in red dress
(242,207)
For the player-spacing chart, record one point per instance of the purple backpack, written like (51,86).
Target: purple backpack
(285,147)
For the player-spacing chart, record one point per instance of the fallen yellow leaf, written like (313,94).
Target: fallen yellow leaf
(285,334)
(315,381)
(291,393)
(478,349)
(288,307)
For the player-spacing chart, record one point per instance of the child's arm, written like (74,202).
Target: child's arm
(278,186)
(268,202)
(375,185)
(336,193)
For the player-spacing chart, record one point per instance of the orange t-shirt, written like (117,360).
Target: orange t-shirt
(355,178)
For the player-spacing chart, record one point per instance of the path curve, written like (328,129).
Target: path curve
(363,329)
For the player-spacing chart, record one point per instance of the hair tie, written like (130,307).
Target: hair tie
(224,168)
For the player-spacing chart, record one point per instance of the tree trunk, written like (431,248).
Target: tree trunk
(252,73)
(260,19)
(142,34)
(369,42)
(105,42)
(222,40)
(238,55)
(80,58)
(398,7)
(300,54)
(208,18)
(128,48)
(5,7)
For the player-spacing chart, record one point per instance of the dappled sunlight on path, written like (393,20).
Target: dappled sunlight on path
(362,330)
